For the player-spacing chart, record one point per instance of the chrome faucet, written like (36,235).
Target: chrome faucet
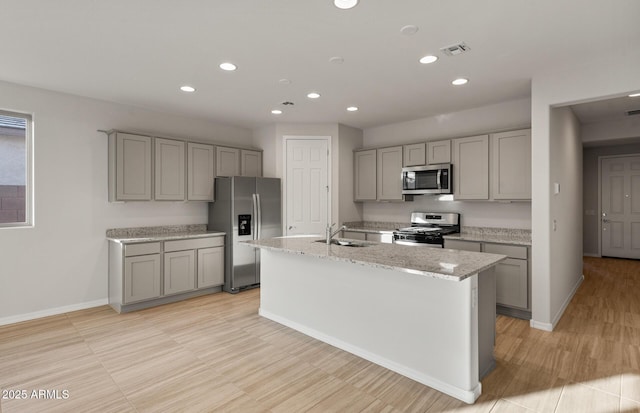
(331,234)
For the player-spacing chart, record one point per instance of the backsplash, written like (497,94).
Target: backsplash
(473,213)
(144,231)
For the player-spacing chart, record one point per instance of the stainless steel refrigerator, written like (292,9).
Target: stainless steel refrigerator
(245,208)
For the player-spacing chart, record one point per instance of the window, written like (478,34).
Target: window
(15,169)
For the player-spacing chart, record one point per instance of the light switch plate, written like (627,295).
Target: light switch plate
(556,188)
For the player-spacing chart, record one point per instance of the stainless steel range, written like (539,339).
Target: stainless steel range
(427,229)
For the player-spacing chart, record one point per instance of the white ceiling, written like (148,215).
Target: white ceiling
(140,52)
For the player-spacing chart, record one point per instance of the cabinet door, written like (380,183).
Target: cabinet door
(210,267)
(179,271)
(141,278)
(365,175)
(511,165)
(133,167)
(390,174)
(251,162)
(227,161)
(471,167)
(201,172)
(438,152)
(415,155)
(512,283)
(169,170)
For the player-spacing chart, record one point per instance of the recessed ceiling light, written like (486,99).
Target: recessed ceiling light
(276,112)
(428,59)
(313,95)
(634,95)
(460,81)
(284,81)
(337,60)
(186,88)
(229,67)
(409,30)
(345,4)
(352,108)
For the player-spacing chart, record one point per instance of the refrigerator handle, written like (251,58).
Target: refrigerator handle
(259,223)
(254,234)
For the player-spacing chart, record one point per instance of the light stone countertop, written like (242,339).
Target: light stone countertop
(493,235)
(375,227)
(440,263)
(163,233)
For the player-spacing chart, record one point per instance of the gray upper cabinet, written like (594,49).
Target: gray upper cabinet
(438,152)
(200,171)
(415,154)
(511,165)
(365,175)
(251,162)
(227,161)
(389,174)
(169,170)
(471,167)
(130,167)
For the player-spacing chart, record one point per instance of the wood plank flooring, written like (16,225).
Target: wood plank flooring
(215,354)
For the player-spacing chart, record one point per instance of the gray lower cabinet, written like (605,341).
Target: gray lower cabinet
(512,275)
(141,278)
(179,272)
(145,274)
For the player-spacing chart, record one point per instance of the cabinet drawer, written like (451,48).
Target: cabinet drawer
(354,235)
(193,244)
(146,248)
(511,251)
(455,244)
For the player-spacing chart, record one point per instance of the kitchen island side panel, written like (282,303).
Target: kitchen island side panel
(421,327)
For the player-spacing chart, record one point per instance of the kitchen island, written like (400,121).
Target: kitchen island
(425,313)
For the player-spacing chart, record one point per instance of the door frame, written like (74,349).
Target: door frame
(600,159)
(285,141)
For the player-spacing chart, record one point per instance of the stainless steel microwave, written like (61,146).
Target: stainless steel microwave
(430,179)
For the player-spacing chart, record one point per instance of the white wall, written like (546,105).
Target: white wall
(343,140)
(348,139)
(510,115)
(610,74)
(566,208)
(61,263)
(613,130)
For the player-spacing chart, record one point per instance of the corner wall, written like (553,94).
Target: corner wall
(610,75)
(61,263)
(566,209)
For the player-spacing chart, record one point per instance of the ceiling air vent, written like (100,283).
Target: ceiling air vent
(455,49)
(633,112)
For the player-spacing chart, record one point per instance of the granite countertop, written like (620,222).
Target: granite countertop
(440,263)
(494,235)
(163,233)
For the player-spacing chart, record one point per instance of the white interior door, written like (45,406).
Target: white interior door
(621,207)
(307,190)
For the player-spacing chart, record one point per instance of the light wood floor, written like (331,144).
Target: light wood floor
(215,354)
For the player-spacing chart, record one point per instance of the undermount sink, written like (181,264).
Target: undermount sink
(346,243)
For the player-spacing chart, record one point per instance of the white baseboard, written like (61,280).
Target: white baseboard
(556,319)
(550,326)
(541,326)
(467,396)
(52,311)
(588,254)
